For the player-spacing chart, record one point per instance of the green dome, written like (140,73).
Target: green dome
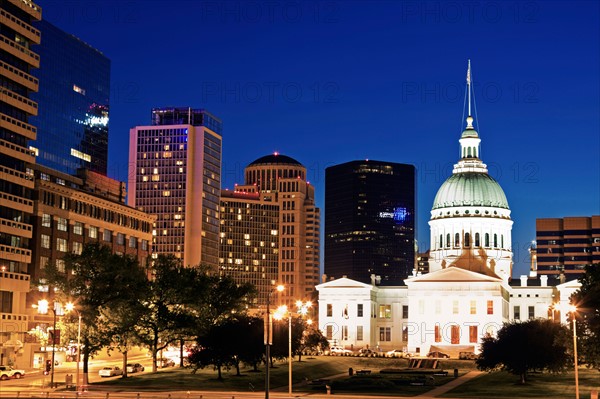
(470,189)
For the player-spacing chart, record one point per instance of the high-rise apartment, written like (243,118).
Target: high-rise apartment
(275,185)
(565,246)
(17,61)
(175,174)
(370,221)
(73,99)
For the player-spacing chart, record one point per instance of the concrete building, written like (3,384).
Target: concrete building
(280,181)
(175,174)
(73,103)
(466,294)
(17,61)
(370,221)
(565,246)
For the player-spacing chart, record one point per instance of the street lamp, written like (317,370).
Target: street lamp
(268,338)
(573,310)
(70,307)
(43,307)
(281,311)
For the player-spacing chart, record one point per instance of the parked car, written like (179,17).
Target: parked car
(396,353)
(134,367)
(339,351)
(7,372)
(110,372)
(366,352)
(164,362)
(439,355)
(467,356)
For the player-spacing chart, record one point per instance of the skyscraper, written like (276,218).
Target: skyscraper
(175,174)
(74,102)
(370,221)
(17,62)
(275,186)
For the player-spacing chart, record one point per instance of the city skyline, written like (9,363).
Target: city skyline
(381,82)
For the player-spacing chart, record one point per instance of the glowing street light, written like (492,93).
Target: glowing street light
(573,310)
(71,307)
(269,338)
(43,307)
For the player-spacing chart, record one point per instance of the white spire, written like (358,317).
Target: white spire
(469,85)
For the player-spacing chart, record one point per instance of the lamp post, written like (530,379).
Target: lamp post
(281,311)
(71,307)
(573,309)
(268,338)
(43,306)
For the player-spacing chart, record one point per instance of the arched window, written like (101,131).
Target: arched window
(487,240)
(477,243)
(448,240)
(467,240)
(495,240)
(441,241)
(502,241)
(456,240)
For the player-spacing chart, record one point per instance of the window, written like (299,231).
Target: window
(456,240)
(487,240)
(385,334)
(473,307)
(60,265)
(448,240)
(531,312)
(441,241)
(473,334)
(6,300)
(517,312)
(61,245)
(46,220)
(61,224)
(120,239)
(43,262)
(329,310)
(476,239)
(345,333)
(385,311)
(437,334)
(467,240)
(405,311)
(93,232)
(359,333)
(359,310)
(132,242)
(455,307)
(454,334)
(78,228)
(405,334)
(495,240)
(329,332)
(144,245)
(77,248)
(490,307)
(107,235)
(45,241)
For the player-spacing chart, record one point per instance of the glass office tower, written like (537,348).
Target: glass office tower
(370,221)
(74,101)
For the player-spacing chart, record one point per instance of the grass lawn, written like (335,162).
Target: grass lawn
(540,385)
(311,368)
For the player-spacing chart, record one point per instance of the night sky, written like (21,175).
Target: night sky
(330,82)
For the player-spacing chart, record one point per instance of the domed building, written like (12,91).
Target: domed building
(470,217)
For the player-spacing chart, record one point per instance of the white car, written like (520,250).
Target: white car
(396,353)
(110,372)
(7,372)
(339,351)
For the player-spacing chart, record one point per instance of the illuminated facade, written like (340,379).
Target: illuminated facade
(280,181)
(17,61)
(74,103)
(565,246)
(249,241)
(370,221)
(175,174)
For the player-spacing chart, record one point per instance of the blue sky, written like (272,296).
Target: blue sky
(329,82)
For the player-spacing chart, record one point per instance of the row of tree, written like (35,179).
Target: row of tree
(123,304)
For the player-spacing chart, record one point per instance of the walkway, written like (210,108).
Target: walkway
(451,385)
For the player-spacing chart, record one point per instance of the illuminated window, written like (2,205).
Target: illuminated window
(472,334)
(93,232)
(490,307)
(45,241)
(61,224)
(438,335)
(455,307)
(77,248)
(46,220)
(359,333)
(329,310)
(78,89)
(246,236)
(78,228)
(473,307)
(385,334)
(61,245)
(385,311)
(455,334)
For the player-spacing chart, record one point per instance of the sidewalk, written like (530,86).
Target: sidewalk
(449,386)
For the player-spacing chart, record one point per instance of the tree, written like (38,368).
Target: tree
(587,301)
(218,347)
(94,280)
(521,347)
(315,341)
(250,345)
